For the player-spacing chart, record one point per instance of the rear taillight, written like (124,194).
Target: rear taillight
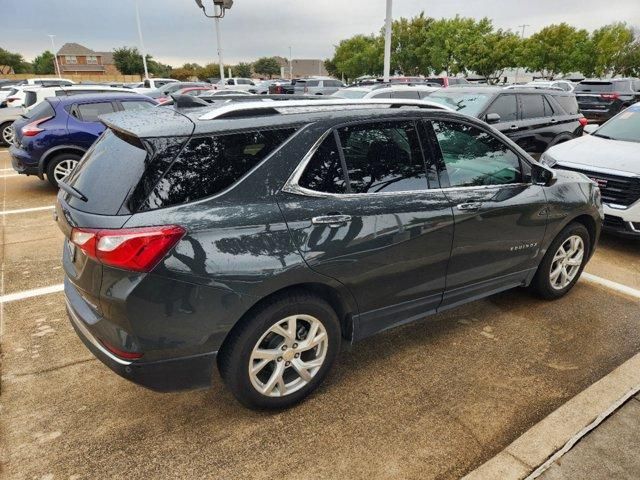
(32,129)
(278,89)
(121,353)
(136,249)
(583,121)
(11,99)
(610,96)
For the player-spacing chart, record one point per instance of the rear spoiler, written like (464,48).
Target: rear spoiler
(153,122)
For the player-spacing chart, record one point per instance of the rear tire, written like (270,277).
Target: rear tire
(60,166)
(270,362)
(6,134)
(563,263)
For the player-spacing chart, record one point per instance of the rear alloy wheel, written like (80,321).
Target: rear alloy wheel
(61,166)
(282,353)
(563,263)
(6,134)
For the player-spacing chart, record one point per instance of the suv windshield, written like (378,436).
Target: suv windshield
(624,126)
(463,102)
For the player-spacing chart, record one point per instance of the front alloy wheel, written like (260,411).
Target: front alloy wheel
(6,134)
(64,168)
(288,355)
(566,262)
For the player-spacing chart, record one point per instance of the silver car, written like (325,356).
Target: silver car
(317,86)
(7,117)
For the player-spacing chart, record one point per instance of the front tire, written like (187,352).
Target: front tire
(563,263)
(60,166)
(282,353)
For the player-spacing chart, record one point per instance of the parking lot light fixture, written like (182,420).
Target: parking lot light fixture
(144,53)
(387,41)
(219,9)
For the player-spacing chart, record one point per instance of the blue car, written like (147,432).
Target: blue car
(51,138)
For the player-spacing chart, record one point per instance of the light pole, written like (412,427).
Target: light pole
(387,42)
(55,56)
(219,9)
(290,65)
(144,53)
(522,37)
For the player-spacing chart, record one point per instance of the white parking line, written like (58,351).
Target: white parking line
(10,175)
(632,292)
(36,292)
(7,170)
(27,210)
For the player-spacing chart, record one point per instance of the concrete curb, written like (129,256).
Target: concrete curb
(534,451)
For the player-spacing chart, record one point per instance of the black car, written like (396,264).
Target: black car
(260,236)
(534,119)
(601,100)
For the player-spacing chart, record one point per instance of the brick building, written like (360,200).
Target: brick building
(74,58)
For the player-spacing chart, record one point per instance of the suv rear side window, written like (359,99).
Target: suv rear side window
(533,106)
(209,165)
(30,98)
(568,103)
(475,158)
(383,157)
(506,106)
(89,112)
(324,172)
(40,111)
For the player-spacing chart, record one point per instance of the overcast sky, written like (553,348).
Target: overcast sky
(175,31)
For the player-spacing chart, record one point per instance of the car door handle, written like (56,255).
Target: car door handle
(513,127)
(331,220)
(471,206)
(553,120)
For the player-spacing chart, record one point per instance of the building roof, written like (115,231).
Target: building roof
(107,57)
(75,49)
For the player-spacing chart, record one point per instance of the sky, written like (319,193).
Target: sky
(176,31)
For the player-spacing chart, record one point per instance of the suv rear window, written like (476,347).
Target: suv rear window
(208,165)
(598,87)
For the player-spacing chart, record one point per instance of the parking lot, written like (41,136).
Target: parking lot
(428,400)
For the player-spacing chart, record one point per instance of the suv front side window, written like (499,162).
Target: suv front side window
(383,157)
(473,157)
(506,106)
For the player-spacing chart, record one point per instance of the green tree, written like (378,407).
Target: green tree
(15,61)
(629,61)
(267,66)
(552,50)
(128,60)
(494,52)
(243,69)
(43,64)
(410,53)
(359,55)
(331,68)
(609,46)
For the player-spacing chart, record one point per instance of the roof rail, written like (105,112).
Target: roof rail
(231,110)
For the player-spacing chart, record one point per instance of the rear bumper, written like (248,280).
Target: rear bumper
(598,115)
(22,162)
(173,374)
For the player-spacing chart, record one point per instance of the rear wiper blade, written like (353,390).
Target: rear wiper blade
(74,192)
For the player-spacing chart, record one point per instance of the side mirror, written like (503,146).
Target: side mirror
(543,176)
(590,128)
(492,118)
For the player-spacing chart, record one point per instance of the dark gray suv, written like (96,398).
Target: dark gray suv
(260,236)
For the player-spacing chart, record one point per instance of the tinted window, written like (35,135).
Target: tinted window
(136,105)
(89,111)
(532,106)
(324,172)
(506,106)
(40,111)
(436,80)
(598,87)
(548,109)
(383,157)
(568,103)
(30,98)
(208,165)
(413,94)
(463,102)
(312,83)
(382,95)
(108,171)
(474,157)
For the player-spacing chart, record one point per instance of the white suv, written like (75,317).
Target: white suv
(34,95)
(151,84)
(415,92)
(609,155)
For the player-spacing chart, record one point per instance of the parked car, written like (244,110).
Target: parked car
(534,119)
(236,83)
(165,91)
(224,93)
(52,137)
(5,90)
(317,86)
(283,87)
(7,117)
(35,95)
(263,87)
(151,84)
(46,82)
(259,236)
(416,92)
(610,156)
(15,97)
(565,85)
(448,81)
(600,100)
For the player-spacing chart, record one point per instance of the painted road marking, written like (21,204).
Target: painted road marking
(10,175)
(632,292)
(27,210)
(36,292)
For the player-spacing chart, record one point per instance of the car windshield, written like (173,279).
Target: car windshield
(349,93)
(624,126)
(463,102)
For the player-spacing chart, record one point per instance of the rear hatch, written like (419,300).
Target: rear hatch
(596,95)
(31,122)
(107,187)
